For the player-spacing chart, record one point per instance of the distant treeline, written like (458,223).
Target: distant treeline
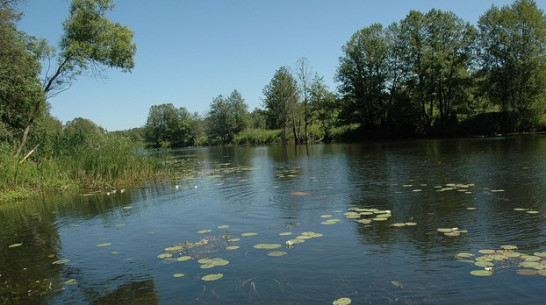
(428,74)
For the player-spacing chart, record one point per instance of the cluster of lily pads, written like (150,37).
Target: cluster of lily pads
(458,187)
(507,256)
(452,232)
(368,215)
(200,250)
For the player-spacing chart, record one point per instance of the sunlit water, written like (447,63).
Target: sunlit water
(113,241)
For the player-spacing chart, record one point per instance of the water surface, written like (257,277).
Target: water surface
(113,241)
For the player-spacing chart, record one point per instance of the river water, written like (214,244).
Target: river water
(363,220)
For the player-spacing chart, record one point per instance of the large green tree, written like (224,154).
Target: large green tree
(512,45)
(20,87)
(322,104)
(280,101)
(90,42)
(168,126)
(227,117)
(363,73)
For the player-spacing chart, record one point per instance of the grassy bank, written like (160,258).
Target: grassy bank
(111,162)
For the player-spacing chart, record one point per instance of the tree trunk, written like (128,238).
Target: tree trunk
(23,140)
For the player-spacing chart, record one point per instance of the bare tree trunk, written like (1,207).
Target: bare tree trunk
(23,140)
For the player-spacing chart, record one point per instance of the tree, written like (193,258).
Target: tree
(90,42)
(363,74)
(280,100)
(304,77)
(322,103)
(512,45)
(227,117)
(168,126)
(20,85)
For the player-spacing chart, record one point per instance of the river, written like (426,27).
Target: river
(310,224)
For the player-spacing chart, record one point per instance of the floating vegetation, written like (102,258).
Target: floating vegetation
(397,284)
(532,212)
(526,272)
(183,258)
(70,282)
(165,255)
(285,233)
(267,246)
(276,253)
(178,275)
(504,258)
(115,253)
(101,245)
(223,227)
(236,239)
(213,262)
(331,221)
(299,194)
(249,234)
(212,277)
(342,301)
(61,261)
(452,232)
(16,245)
(232,247)
(326,216)
(481,272)
(204,231)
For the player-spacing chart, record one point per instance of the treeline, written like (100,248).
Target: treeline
(428,74)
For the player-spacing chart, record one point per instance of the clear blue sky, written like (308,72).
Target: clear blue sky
(190,51)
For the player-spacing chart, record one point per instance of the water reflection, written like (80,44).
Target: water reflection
(274,189)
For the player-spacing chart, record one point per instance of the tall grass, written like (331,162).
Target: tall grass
(258,136)
(109,161)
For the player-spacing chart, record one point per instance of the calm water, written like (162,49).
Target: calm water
(110,243)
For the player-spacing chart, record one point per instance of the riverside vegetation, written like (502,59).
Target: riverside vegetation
(430,74)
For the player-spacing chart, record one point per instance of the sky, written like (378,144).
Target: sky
(190,51)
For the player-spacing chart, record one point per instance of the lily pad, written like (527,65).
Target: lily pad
(204,231)
(249,234)
(165,255)
(486,251)
(540,254)
(542,272)
(444,230)
(326,216)
(342,301)
(526,272)
(465,255)
(232,247)
(532,212)
(212,277)
(285,233)
(397,284)
(509,247)
(223,227)
(364,221)
(481,272)
(234,240)
(331,221)
(178,274)
(267,246)
(61,261)
(276,253)
(174,249)
(15,245)
(207,266)
(104,245)
(71,282)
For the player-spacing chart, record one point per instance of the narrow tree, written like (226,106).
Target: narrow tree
(280,100)
(323,106)
(90,42)
(304,78)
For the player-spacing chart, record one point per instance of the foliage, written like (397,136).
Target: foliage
(227,117)
(280,101)
(256,136)
(512,45)
(168,126)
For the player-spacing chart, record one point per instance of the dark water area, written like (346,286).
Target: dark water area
(131,247)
